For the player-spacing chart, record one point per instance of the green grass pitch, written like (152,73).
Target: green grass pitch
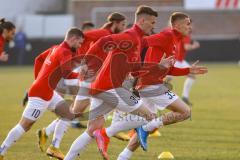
(213,134)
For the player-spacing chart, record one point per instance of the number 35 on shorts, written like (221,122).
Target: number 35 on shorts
(170,94)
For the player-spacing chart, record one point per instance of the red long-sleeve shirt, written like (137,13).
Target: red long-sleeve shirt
(181,55)
(123,52)
(168,41)
(39,60)
(58,64)
(90,38)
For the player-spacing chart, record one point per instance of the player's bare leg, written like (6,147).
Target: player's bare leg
(62,110)
(103,135)
(179,112)
(44,133)
(84,139)
(132,146)
(80,105)
(16,133)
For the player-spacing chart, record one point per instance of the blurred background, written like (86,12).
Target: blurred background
(44,22)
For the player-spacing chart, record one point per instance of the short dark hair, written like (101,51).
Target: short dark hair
(87,24)
(177,16)
(74,31)
(145,10)
(6,25)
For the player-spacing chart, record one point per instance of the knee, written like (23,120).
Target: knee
(26,125)
(187,113)
(151,116)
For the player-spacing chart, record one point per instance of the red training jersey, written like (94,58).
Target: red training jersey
(39,60)
(123,57)
(168,42)
(57,65)
(90,37)
(181,55)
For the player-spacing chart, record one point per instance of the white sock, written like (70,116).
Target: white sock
(187,87)
(60,130)
(126,154)
(51,127)
(78,145)
(153,124)
(126,123)
(14,134)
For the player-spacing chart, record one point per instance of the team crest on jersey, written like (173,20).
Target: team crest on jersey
(109,46)
(125,45)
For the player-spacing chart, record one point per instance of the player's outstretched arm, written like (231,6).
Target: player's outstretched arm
(195,69)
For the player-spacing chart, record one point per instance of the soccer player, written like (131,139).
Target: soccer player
(166,42)
(7,32)
(120,48)
(152,90)
(58,64)
(87,26)
(186,45)
(116,23)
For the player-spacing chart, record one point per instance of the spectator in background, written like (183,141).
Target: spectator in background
(20,43)
(7,32)
(87,26)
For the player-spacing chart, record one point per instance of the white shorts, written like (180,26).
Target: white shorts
(153,103)
(181,64)
(158,102)
(118,98)
(83,92)
(37,106)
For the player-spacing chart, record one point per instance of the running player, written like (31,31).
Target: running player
(118,49)
(58,64)
(115,23)
(181,27)
(7,32)
(152,90)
